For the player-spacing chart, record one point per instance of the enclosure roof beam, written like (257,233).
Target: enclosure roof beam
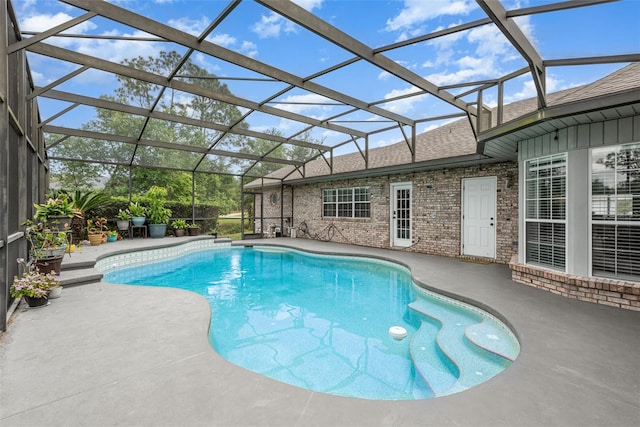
(59,130)
(115,163)
(311,22)
(123,70)
(143,112)
(610,59)
(520,42)
(554,7)
(22,44)
(168,33)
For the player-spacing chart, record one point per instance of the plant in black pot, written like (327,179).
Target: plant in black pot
(157,213)
(33,285)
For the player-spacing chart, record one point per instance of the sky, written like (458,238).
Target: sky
(253,30)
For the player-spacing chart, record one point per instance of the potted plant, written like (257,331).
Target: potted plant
(46,246)
(122,219)
(112,236)
(96,230)
(214,232)
(138,213)
(83,201)
(178,227)
(193,229)
(158,214)
(33,286)
(54,212)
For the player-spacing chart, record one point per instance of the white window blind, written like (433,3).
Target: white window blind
(545,211)
(615,211)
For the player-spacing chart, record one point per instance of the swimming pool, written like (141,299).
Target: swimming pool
(322,322)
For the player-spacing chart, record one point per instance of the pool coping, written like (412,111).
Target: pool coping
(139,357)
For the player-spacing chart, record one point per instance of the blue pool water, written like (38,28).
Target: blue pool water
(322,322)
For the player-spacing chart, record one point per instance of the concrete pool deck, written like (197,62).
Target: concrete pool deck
(106,354)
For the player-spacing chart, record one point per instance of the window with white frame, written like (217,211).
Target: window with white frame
(545,211)
(346,202)
(615,211)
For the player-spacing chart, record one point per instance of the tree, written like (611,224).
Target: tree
(143,158)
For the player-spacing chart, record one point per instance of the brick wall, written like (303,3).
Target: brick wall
(436,207)
(612,292)
(271,211)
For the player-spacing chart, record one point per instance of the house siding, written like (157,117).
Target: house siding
(436,204)
(577,281)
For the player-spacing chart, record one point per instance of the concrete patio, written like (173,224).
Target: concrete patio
(108,354)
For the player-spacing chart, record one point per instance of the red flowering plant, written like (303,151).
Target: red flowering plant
(32,283)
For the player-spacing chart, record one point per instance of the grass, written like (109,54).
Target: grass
(231,227)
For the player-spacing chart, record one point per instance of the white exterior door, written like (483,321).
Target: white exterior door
(401,214)
(479,216)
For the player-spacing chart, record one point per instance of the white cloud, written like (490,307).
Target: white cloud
(43,22)
(272,25)
(416,12)
(490,51)
(528,89)
(195,27)
(465,69)
(117,50)
(203,60)
(308,106)
(249,48)
(405,105)
(224,40)
(39,79)
(448,40)
(435,125)
(489,40)
(309,4)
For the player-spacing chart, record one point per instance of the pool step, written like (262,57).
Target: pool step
(468,362)
(493,338)
(74,273)
(77,277)
(438,370)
